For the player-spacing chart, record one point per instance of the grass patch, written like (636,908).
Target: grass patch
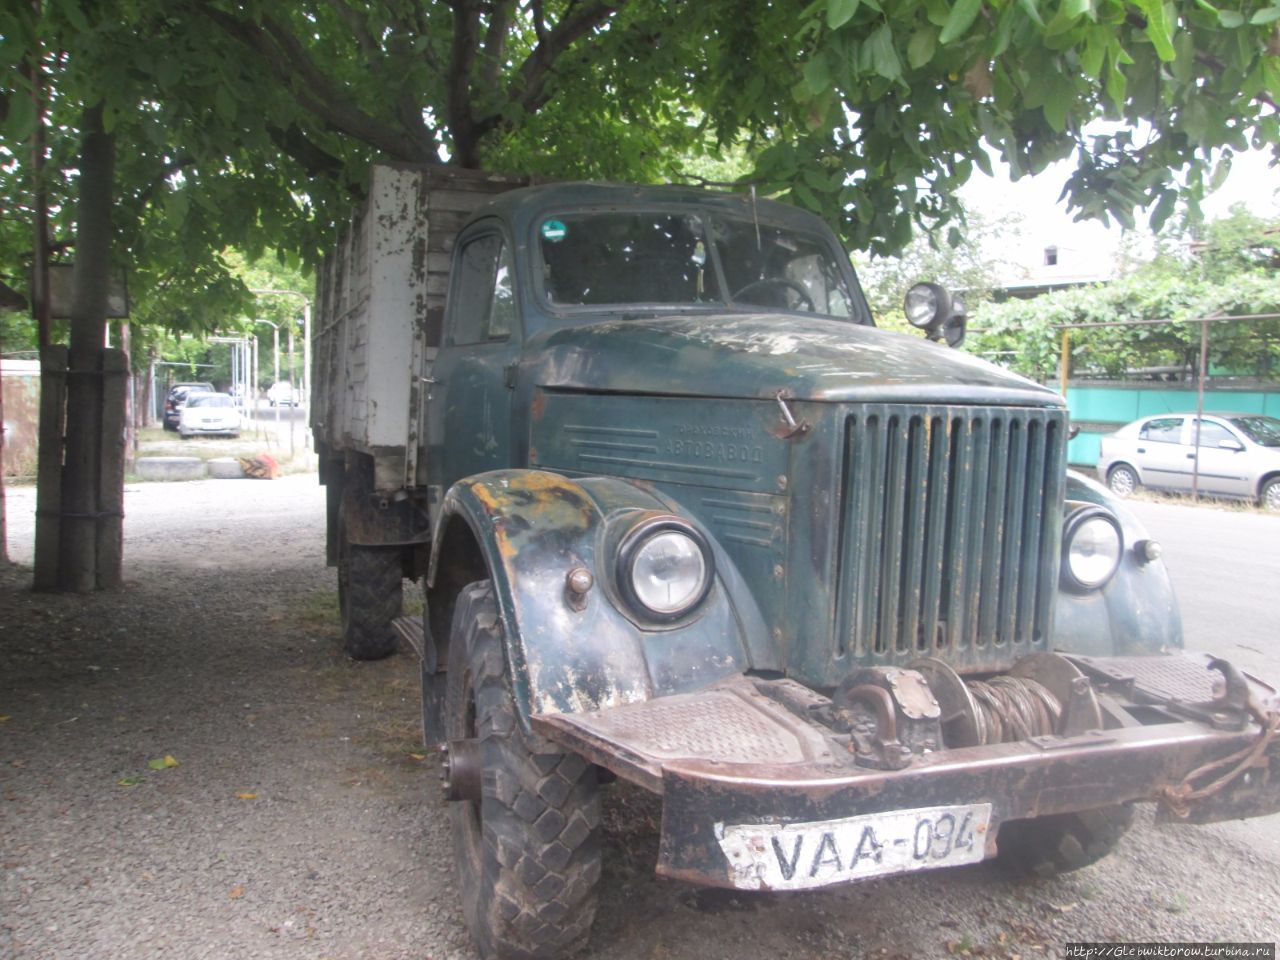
(318,612)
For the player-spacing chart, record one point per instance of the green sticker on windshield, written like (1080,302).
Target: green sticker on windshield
(554,231)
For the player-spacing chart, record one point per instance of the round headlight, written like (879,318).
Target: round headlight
(1092,546)
(926,304)
(665,569)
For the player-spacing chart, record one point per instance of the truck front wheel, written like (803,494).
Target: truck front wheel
(370,593)
(1060,843)
(528,846)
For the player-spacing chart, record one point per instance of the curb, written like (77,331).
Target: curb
(170,468)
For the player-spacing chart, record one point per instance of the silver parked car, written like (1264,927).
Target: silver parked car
(1238,455)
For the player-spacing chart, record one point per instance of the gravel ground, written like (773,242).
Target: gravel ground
(302,821)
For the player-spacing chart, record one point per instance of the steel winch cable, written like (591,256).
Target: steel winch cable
(1013,708)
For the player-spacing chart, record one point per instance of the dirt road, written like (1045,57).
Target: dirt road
(297,816)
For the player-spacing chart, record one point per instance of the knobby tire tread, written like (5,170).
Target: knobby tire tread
(375,585)
(529,884)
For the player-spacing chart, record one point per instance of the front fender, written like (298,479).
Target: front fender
(532,529)
(1136,613)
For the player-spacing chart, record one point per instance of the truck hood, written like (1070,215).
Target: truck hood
(758,355)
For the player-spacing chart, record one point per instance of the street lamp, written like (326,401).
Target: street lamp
(275,347)
(306,337)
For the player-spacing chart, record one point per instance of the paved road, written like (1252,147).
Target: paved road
(1225,565)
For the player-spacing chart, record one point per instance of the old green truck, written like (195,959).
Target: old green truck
(685,517)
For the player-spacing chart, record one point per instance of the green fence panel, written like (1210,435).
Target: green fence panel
(1101,409)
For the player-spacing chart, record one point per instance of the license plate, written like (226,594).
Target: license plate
(796,856)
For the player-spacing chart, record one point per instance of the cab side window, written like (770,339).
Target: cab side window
(1164,430)
(484,294)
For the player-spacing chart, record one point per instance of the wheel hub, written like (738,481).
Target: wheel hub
(463,769)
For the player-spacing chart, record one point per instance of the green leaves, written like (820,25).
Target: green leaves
(20,120)
(840,12)
(921,47)
(959,20)
(1163,210)
(1159,29)
(817,74)
(893,105)
(884,55)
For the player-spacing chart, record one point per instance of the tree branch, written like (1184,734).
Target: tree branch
(286,58)
(462,56)
(495,42)
(359,28)
(309,155)
(539,21)
(528,90)
(1218,68)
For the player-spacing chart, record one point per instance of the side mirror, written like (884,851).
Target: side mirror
(938,312)
(1229,444)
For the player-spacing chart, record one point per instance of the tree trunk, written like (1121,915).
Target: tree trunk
(79,549)
(130,395)
(4,524)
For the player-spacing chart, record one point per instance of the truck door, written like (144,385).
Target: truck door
(469,410)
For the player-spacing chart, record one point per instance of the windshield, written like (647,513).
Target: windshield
(211,400)
(656,258)
(1264,431)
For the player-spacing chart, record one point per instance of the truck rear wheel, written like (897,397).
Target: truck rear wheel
(370,594)
(1062,842)
(528,848)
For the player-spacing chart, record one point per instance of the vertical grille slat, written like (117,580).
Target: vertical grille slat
(950,533)
(916,492)
(958,535)
(1033,505)
(891,533)
(993,534)
(940,459)
(869,526)
(1006,632)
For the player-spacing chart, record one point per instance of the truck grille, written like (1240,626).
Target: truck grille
(950,533)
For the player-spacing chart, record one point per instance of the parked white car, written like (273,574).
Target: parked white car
(209,413)
(1238,456)
(280,394)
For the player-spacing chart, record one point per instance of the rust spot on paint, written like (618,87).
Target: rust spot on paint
(487,500)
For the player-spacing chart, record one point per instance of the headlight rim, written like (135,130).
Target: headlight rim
(628,549)
(941,304)
(1074,521)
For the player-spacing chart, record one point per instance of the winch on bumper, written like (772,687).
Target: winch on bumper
(769,785)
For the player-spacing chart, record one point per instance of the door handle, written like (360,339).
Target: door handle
(1142,449)
(1191,456)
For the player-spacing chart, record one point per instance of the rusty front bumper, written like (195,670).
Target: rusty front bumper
(733,757)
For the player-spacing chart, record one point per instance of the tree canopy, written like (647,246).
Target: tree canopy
(1231,267)
(254,122)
